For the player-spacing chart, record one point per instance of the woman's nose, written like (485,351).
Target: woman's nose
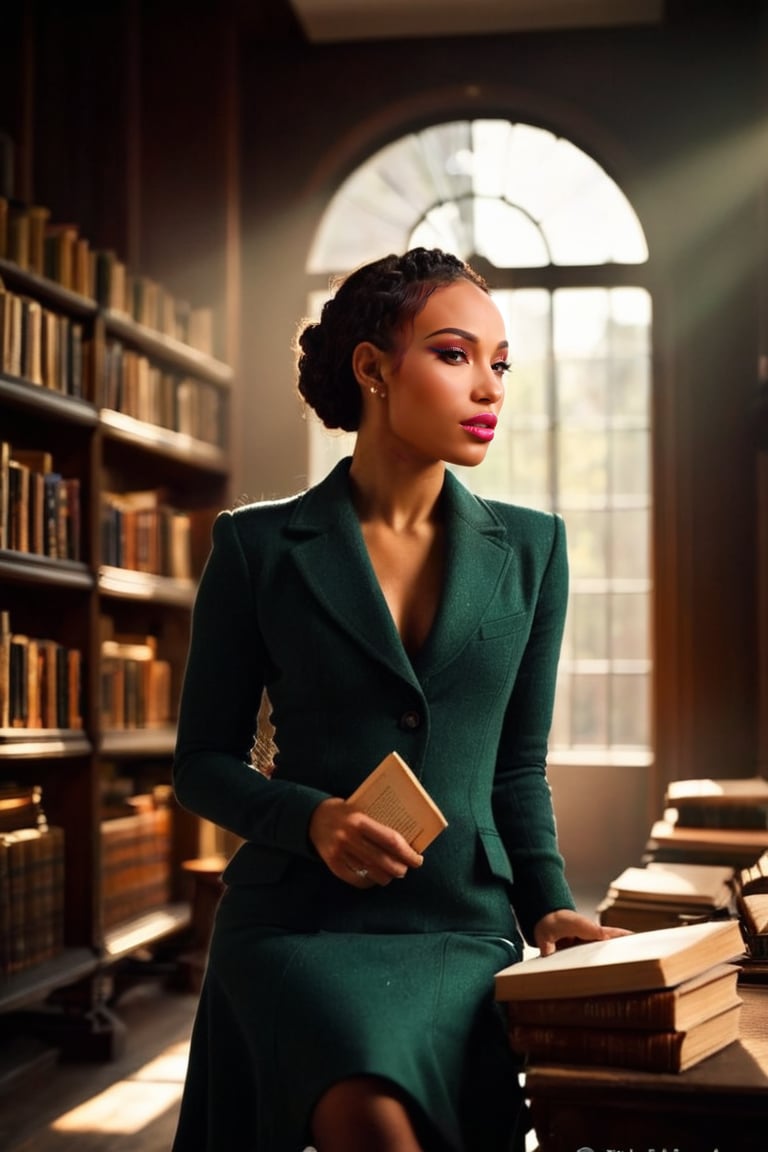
(489,387)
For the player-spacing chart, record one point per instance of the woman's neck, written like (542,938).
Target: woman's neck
(395,493)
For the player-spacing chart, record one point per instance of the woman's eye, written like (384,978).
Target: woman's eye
(451,355)
(501,367)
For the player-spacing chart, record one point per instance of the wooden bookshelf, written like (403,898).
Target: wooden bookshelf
(85,600)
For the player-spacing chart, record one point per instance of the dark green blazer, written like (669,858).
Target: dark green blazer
(289,601)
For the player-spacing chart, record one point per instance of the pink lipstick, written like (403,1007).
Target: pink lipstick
(481,426)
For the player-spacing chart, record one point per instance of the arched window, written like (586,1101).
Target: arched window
(566,258)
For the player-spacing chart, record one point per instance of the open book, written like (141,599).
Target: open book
(645,960)
(394,796)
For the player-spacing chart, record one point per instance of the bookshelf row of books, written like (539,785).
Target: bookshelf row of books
(135,870)
(31,897)
(141,531)
(130,383)
(31,881)
(41,345)
(136,862)
(32,240)
(40,681)
(39,507)
(136,684)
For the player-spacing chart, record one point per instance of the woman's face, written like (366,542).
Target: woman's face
(444,386)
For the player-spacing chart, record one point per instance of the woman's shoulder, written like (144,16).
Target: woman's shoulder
(265,508)
(253,524)
(519,518)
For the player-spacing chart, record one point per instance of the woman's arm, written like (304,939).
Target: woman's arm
(522,798)
(220,697)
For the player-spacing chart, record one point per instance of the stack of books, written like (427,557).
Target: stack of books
(662,895)
(708,821)
(659,1001)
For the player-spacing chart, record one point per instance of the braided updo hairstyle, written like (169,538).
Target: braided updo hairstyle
(374,303)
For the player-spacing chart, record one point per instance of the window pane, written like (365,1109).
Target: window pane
(589,625)
(630,713)
(582,464)
(581,322)
(529,472)
(490,144)
(582,392)
(447,150)
(630,387)
(587,546)
(507,237)
(445,227)
(630,626)
(630,463)
(594,223)
(527,317)
(630,553)
(589,709)
(582,215)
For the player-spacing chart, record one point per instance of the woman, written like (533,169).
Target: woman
(348,1001)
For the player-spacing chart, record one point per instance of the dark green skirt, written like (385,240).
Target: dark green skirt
(285,1015)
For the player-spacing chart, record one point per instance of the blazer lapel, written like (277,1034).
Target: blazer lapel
(477,554)
(332,557)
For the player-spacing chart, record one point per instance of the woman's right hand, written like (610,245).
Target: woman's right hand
(358,850)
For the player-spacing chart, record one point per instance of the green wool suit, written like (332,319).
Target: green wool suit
(311,980)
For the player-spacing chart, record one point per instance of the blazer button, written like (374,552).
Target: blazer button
(410,720)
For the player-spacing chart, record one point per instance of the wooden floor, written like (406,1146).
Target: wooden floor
(124,1105)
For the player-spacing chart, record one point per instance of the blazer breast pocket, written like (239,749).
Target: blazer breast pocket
(504,626)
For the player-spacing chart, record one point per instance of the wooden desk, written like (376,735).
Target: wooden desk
(720,1105)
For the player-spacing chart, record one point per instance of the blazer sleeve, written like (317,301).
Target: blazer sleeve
(522,798)
(220,697)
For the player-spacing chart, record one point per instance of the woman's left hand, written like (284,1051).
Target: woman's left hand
(564,928)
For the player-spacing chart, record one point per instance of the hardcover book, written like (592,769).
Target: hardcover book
(730,803)
(670,841)
(664,1009)
(670,1051)
(707,885)
(641,961)
(393,795)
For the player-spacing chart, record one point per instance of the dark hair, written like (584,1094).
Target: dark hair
(374,303)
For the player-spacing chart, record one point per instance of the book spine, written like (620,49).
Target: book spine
(629,1011)
(643,1051)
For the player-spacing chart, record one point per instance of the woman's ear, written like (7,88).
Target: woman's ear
(367,365)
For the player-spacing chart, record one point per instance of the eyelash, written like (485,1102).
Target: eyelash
(448,356)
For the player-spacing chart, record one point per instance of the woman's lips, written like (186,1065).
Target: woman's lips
(481,427)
